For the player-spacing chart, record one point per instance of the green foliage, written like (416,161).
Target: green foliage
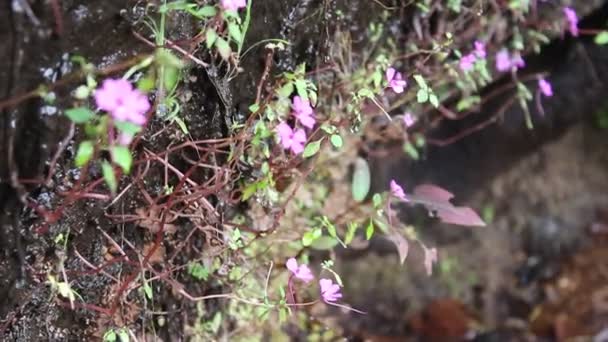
(361,180)
(198,271)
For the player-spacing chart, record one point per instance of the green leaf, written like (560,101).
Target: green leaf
(122,157)
(411,150)
(434,100)
(235,32)
(205,11)
(377,200)
(422,96)
(148,291)
(123,335)
(210,38)
(420,81)
(350,232)
(467,103)
(171,77)
(109,176)
(601,38)
(361,180)
(324,243)
(80,115)
(84,153)
(310,236)
(286,90)
(369,230)
(127,127)
(365,93)
(198,271)
(301,89)
(336,140)
(223,47)
(82,92)
(312,148)
(109,336)
(254,107)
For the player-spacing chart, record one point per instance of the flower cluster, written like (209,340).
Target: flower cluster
(467,61)
(505,61)
(294,139)
(395,80)
(330,292)
(122,101)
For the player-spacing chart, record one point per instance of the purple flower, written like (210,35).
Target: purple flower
(122,101)
(408,120)
(480,49)
(303,112)
(517,61)
(290,139)
(395,80)
(545,87)
(506,62)
(329,291)
(430,258)
(397,190)
(572,20)
(503,61)
(467,61)
(301,272)
(233,5)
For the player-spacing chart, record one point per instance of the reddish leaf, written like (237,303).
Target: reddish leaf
(437,201)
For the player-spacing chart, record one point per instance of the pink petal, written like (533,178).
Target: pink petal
(298,141)
(285,134)
(390,74)
(292,265)
(397,190)
(503,61)
(303,273)
(545,87)
(480,49)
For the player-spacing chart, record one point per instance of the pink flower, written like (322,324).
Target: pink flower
(506,62)
(303,112)
(430,258)
(408,120)
(545,87)
(122,101)
(572,20)
(125,139)
(518,62)
(395,80)
(301,272)
(480,49)
(503,61)
(233,5)
(290,139)
(467,61)
(397,191)
(329,291)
